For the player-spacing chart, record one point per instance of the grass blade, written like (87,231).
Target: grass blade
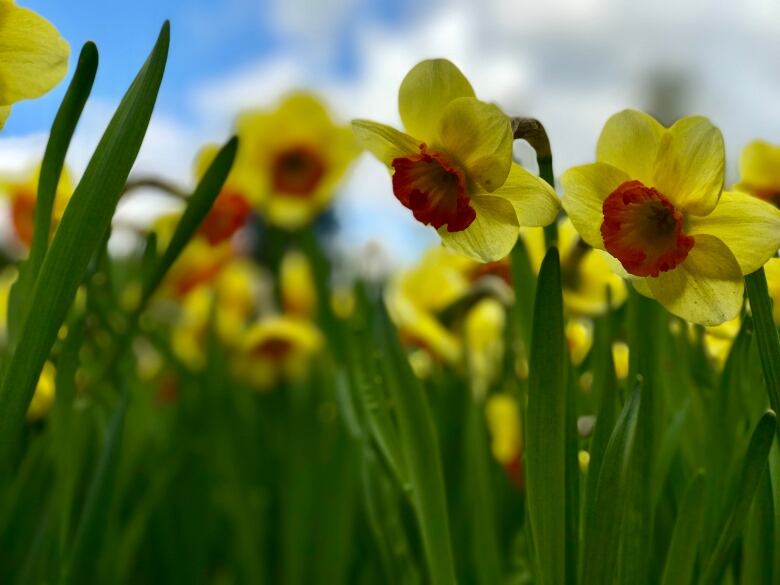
(546,426)
(766,334)
(681,557)
(84,224)
(753,467)
(602,538)
(422,459)
(83,227)
(62,131)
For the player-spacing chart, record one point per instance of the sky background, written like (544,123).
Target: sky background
(570,63)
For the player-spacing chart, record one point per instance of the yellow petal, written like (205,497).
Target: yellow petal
(33,55)
(5,111)
(690,165)
(534,201)
(479,136)
(425,92)
(759,168)
(629,141)
(384,142)
(749,226)
(584,190)
(642,287)
(707,288)
(492,234)
(772,270)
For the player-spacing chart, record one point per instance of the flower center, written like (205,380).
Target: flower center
(23,214)
(227,216)
(273,348)
(297,171)
(643,230)
(434,188)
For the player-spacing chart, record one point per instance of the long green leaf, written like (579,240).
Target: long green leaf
(546,426)
(62,130)
(681,558)
(421,457)
(766,334)
(754,466)
(602,538)
(83,227)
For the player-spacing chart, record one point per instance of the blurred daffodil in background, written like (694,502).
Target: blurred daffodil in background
(33,56)
(21,193)
(759,171)
(453,168)
(654,201)
(291,159)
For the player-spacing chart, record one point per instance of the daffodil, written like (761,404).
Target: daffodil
(484,339)
(759,171)
(654,202)
(33,56)
(231,209)
(43,399)
(200,261)
(772,270)
(452,167)
(502,415)
(296,281)
(277,349)
(291,160)
(21,193)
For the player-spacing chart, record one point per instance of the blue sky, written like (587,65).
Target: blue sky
(210,38)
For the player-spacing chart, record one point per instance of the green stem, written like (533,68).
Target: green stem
(766,334)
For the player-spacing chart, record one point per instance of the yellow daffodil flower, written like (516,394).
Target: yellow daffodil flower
(296,281)
(234,292)
(586,273)
(484,339)
(291,160)
(579,338)
(33,56)
(277,349)
(200,262)
(453,166)
(759,171)
(772,270)
(43,399)
(653,201)
(22,193)
(231,209)
(718,340)
(620,353)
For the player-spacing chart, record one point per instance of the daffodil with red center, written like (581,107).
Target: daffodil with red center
(292,159)
(453,167)
(22,193)
(654,202)
(759,171)
(231,209)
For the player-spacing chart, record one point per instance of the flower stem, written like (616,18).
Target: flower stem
(766,334)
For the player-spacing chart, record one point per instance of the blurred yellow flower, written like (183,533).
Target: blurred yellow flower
(43,399)
(579,338)
(620,355)
(718,340)
(296,281)
(291,160)
(759,171)
(231,209)
(22,193)
(503,422)
(653,201)
(453,168)
(586,273)
(234,293)
(200,262)
(33,56)
(277,349)
(772,269)
(484,340)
